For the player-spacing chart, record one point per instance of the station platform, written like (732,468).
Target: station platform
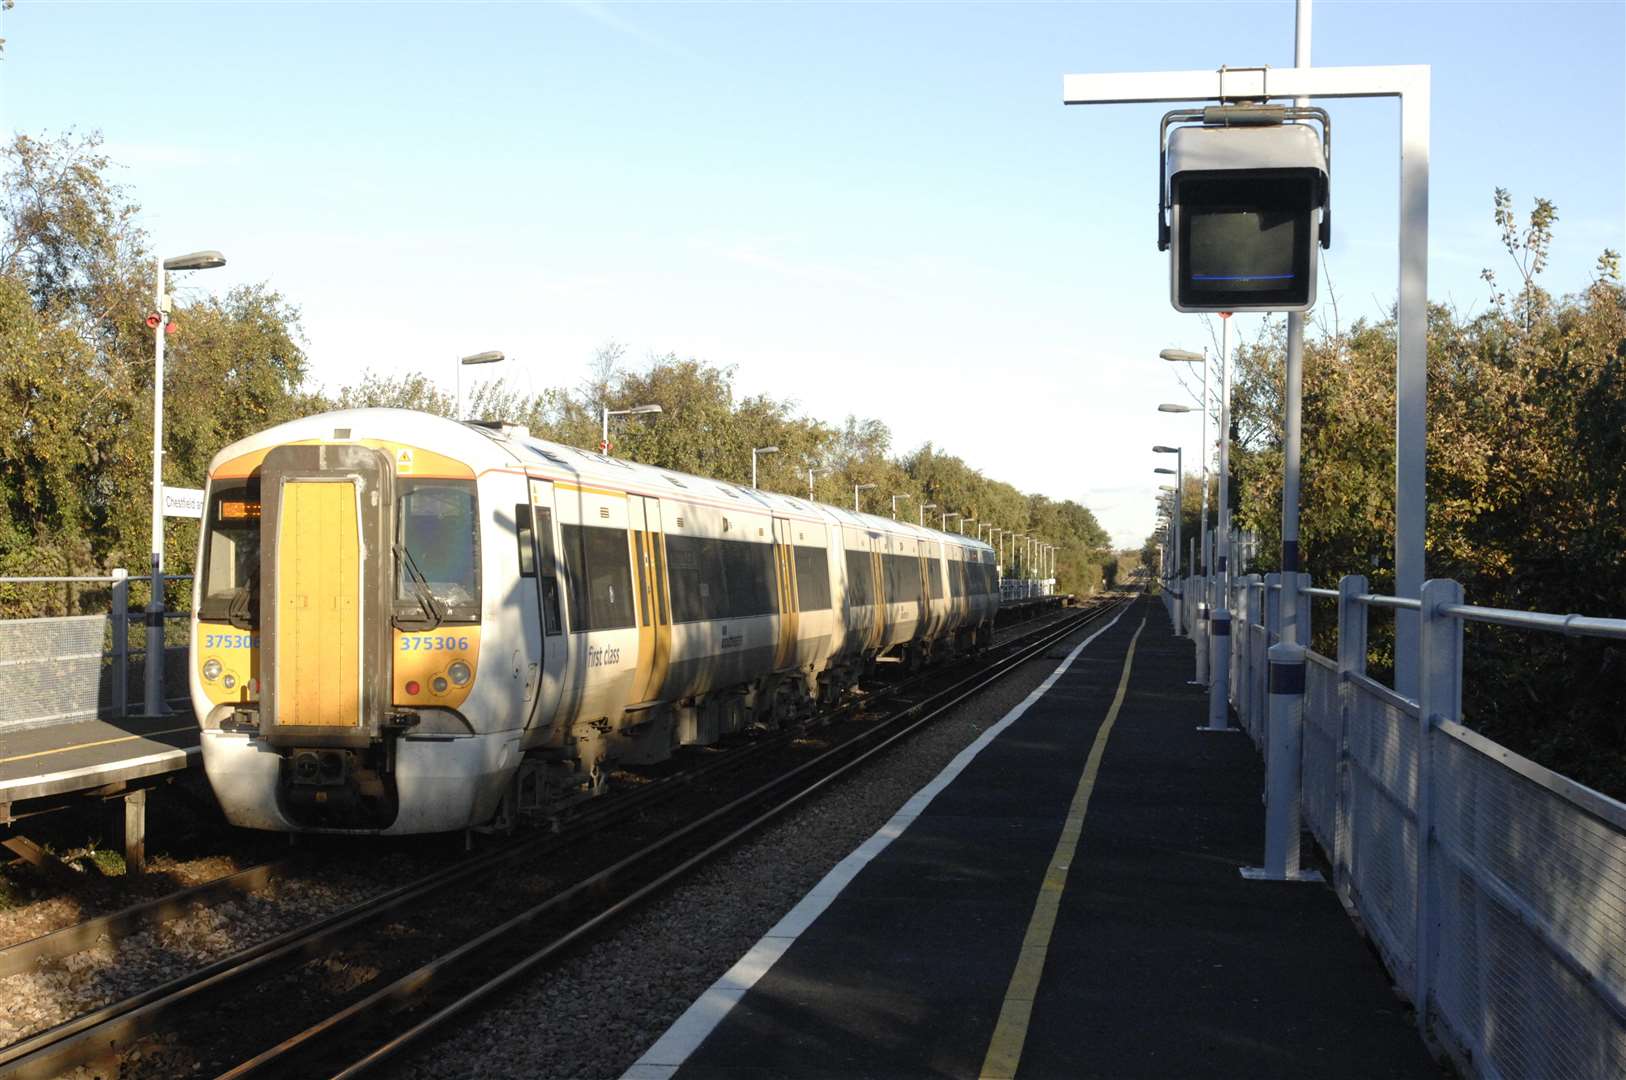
(42,768)
(1066,904)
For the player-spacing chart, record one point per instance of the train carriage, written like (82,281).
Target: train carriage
(406,624)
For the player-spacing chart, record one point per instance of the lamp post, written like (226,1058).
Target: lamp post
(755,450)
(1179,473)
(1186,356)
(923,508)
(964,521)
(946,516)
(153,697)
(856,489)
(810,484)
(605,412)
(895,499)
(492,357)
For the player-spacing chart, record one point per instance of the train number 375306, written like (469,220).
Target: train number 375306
(433,641)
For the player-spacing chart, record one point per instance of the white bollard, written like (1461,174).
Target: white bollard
(1219,705)
(1200,637)
(1282,765)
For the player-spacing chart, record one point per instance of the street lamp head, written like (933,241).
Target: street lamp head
(491,357)
(1182,356)
(1165,450)
(197,260)
(759,449)
(862,487)
(1175,408)
(1169,472)
(1165,487)
(639,410)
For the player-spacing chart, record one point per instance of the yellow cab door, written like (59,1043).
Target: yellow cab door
(654,615)
(319,604)
(789,607)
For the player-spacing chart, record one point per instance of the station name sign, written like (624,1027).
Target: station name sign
(183,502)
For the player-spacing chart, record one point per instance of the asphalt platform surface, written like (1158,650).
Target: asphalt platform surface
(1164,961)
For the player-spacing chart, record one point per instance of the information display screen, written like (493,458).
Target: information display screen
(1244,243)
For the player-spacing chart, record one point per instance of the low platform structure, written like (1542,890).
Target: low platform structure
(43,768)
(1065,903)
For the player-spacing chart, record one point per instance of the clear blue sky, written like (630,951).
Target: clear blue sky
(872,208)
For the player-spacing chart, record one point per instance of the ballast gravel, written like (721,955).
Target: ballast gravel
(68,986)
(594,1016)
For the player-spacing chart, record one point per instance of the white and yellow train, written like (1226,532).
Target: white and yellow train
(406,624)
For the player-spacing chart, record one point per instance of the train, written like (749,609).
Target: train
(404,623)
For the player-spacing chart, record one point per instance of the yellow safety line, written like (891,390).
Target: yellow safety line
(99,742)
(1005,1049)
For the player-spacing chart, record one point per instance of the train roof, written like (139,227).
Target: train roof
(486,445)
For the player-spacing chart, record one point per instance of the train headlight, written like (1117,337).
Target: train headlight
(460,673)
(439,684)
(211,670)
(229,682)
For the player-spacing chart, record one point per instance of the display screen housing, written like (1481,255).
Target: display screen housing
(1244,242)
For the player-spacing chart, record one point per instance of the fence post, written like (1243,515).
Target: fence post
(1252,615)
(1200,634)
(1439,698)
(119,682)
(1304,605)
(1351,661)
(1273,609)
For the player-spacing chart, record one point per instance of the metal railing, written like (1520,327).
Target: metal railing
(1494,888)
(59,668)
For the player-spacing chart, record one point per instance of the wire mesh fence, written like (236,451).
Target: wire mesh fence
(56,669)
(1505,920)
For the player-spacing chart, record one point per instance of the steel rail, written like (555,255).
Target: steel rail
(405,989)
(137,917)
(98,1033)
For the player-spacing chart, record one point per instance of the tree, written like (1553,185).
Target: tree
(1526,488)
(76,384)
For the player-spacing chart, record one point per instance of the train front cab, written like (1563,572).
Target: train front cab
(355,574)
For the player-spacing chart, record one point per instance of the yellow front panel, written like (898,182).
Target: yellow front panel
(318,606)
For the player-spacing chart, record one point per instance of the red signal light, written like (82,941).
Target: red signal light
(412,687)
(153,321)
(170,328)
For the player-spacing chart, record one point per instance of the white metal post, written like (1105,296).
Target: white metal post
(1351,662)
(153,660)
(1411,84)
(1411,376)
(1439,700)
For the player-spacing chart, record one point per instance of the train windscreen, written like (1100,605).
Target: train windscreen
(436,525)
(231,572)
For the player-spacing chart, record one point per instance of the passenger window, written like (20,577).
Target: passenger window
(600,578)
(645,601)
(527,541)
(549,570)
(812,579)
(860,584)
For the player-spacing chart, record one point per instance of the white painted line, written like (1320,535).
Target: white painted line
(688,1031)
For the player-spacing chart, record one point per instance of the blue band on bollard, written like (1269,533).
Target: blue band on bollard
(153,618)
(1221,566)
(1221,628)
(1286,678)
(1290,556)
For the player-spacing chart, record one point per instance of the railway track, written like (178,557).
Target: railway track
(451,966)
